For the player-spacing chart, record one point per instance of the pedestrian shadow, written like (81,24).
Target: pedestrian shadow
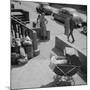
(42,41)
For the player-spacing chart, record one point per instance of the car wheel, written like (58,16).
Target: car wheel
(85,29)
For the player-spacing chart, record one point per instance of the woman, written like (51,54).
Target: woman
(75,22)
(43,23)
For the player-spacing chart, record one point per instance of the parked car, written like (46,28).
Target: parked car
(44,9)
(63,13)
(12,6)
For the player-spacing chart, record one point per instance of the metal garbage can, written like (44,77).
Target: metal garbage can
(27,44)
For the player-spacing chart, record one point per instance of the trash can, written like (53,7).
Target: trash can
(27,44)
(29,51)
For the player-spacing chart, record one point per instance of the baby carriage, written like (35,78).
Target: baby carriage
(66,70)
(64,74)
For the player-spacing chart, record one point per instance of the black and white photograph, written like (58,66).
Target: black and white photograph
(48,43)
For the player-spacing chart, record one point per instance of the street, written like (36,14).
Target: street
(37,72)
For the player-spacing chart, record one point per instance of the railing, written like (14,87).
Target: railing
(19,27)
(19,30)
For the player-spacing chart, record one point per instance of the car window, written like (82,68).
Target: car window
(59,12)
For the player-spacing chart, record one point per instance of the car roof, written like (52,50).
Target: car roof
(72,11)
(69,9)
(75,13)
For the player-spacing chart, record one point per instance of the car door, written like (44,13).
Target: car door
(63,14)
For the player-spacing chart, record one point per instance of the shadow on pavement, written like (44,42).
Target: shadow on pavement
(18,65)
